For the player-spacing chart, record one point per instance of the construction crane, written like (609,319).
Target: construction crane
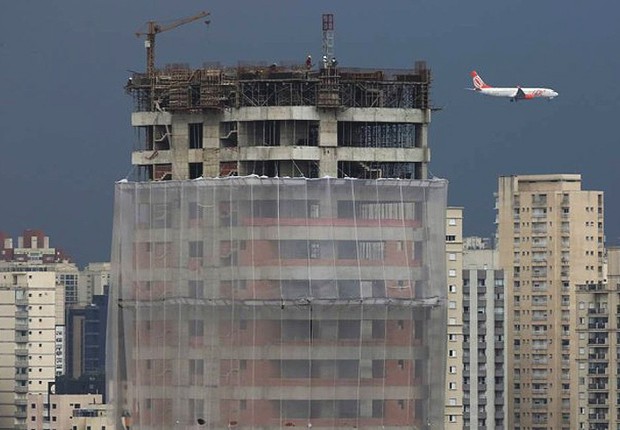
(154,28)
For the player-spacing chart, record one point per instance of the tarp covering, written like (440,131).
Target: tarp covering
(262,303)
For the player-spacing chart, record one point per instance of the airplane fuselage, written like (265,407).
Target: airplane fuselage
(512,92)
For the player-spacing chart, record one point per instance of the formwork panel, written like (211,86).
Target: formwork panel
(247,302)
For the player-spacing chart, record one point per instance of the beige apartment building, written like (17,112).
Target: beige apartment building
(597,326)
(550,235)
(94,281)
(31,318)
(68,412)
(454,356)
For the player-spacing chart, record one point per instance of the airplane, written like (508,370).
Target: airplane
(514,93)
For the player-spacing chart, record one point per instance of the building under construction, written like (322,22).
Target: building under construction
(280,121)
(298,279)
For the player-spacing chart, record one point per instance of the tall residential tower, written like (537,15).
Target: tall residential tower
(550,234)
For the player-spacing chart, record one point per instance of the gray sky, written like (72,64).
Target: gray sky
(65,120)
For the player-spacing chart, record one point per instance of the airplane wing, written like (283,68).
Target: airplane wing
(520,94)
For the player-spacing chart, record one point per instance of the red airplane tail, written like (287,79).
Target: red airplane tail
(478,82)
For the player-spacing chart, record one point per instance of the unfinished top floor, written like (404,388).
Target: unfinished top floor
(179,88)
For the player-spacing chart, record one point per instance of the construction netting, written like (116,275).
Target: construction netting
(262,303)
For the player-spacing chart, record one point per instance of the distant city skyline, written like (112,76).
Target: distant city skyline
(66,120)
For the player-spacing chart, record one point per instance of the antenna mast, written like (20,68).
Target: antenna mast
(328,39)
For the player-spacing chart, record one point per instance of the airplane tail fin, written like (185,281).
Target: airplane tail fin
(478,82)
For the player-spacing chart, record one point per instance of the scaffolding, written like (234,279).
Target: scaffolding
(261,303)
(178,88)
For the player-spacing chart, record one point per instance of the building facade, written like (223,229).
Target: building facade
(31,313)
(94,281)
(484,375)
(551,241)
(281,121)
(68,412)
(454,282)
(598,326)
(262,302)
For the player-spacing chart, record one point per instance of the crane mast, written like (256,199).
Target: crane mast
(152,29)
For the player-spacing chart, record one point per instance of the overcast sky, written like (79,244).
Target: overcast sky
(65,119)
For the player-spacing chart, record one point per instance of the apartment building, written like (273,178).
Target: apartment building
(598,326)
(68,412)
(484,332)
(94,281)
(551,242)
(34,253)
(454,356)
(31,324)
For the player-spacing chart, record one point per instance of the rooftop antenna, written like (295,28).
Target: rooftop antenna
(328,39)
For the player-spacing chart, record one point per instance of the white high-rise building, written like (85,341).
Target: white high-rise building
(31,340)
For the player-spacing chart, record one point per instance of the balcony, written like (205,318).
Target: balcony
(598,340)
(21,377)
(21,401)
(21,389)
(597,357)
(21,352)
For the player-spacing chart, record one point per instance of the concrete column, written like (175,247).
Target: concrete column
(211,162)
(328,166)
(179,147)
(328,128)
(328,141)
(421,141)
(211,146)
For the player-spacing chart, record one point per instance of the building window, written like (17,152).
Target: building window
(452,256)
(452,418)
(196,290)
(452,353)
(452,386)
(196,367)
(196,328)
(195,249)
(452,273)
(450,238)
(195,135)
(195,170)
(315,250)
(452,288)
(452,221)
(453,370)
